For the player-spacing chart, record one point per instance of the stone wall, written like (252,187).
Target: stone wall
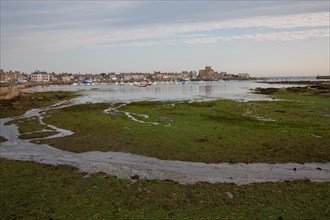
(8,91)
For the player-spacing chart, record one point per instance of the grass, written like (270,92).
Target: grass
(30,128)
(29,125)
(216,131)
(34,191)
(20,104)
(36,135)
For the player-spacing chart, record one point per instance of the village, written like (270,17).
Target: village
(206,74)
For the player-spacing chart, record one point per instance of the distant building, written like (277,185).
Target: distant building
(2,76)
(243,75)
(113,76)
(67,77)
(207,73)
(192,74)
(158,75)
(22,77)
(40,77)
(126,76)
(11,76)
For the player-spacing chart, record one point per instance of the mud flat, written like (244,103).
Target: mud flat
(131,166)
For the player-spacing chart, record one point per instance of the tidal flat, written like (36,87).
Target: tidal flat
(295,128)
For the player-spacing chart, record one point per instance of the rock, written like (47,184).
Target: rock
(229,195)
(86,176)
(135,177)
(266,91)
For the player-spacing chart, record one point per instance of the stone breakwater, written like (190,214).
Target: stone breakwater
(129,166)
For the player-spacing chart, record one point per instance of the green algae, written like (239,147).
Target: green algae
(34,191)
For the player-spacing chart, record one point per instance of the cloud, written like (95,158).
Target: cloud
(57,39)
(288,21)
(320,19)
(277,36)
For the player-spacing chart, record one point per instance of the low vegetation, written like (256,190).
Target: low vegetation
(293,129)
(34,191)
(29,125)
(25,101)
(36,135)
(31,128)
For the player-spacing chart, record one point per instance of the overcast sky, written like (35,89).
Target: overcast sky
(263,38)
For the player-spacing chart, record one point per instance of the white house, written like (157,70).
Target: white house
(40,77)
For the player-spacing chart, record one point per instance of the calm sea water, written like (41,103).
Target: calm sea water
(194,91)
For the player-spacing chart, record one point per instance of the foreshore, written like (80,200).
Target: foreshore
(124,165)
(251,156)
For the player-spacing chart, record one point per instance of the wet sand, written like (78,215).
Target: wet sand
(125,165)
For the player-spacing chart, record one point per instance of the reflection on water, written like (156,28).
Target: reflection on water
(208,90)
(236,90)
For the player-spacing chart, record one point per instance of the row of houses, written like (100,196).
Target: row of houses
(42,76)
(12,76)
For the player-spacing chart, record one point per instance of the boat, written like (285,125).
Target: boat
(88,82)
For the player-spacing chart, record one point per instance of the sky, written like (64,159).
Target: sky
(263,38)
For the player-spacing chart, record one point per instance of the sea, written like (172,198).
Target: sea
(188,91)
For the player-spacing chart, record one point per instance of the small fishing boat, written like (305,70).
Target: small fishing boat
(88,82)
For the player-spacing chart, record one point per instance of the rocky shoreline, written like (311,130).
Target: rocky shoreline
(316,87)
